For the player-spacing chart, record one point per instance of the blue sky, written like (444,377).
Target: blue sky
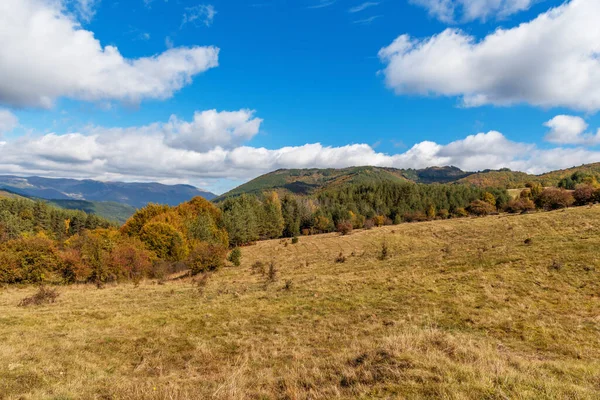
(124,90)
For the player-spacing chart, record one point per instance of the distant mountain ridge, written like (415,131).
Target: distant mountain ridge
(309,181)
(135,194)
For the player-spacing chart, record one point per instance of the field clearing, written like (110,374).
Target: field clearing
(458,309)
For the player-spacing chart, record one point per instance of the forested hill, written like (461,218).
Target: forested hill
(508,179)
(135,194)
(311,181)
(315,180)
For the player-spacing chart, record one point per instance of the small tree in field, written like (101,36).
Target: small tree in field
(235,257)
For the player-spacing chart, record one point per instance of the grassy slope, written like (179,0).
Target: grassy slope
(462,309)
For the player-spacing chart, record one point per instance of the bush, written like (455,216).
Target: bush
(344,227)
(44,295)
(443,214)
(416,216)
(481,208)
(30,260)
(235,257)
(460,213)
(369,224)
(130,260)
(584,194)
(340,258)
(520,205)
(164,240)
(206,257)
(294,240)
(384,253)
(553,199)
(379,220)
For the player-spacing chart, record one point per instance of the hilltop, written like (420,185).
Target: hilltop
(314,180)
(497,307)
(310,181)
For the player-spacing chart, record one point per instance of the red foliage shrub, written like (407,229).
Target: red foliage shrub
(344,227)
(584,194)
(553,199)
(206,257)
(519,205)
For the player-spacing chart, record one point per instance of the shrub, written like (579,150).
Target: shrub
(164,240)
(553,199)
(272,273)
(584,194)
(369,223)
(73,268)
(206,257)
(344,227)
(416,216)
(130,260)
(235,257)
(340,258)
(384,252)
(460,213)
(258,267)
(481,208)
(379,220)
(489,198)
(294,240)
(44,295)
(30,260)
(443,214)
(520,205)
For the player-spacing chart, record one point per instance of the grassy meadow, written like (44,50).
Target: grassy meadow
(501,307)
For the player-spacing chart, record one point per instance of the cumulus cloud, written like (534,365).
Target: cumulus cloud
(45,54)
(451,11)
(203,14)
(550,61)
(8,121)
(213,148)
(568,129)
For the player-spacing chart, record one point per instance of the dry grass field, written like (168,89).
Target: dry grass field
(503,307)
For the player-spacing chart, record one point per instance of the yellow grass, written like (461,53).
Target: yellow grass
(461,309)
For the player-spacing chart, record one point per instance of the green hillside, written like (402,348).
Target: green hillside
(310,181)
(106,209)
(515,179)
(315,180)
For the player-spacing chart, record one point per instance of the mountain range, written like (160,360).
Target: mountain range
(135,194)
(119,200)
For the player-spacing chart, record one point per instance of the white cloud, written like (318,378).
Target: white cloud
(8,121)
(367,21)
(86,9)
(212,149)
(568,129)
(45,54)
(323,4)
(363,6)
(451,11)
(549,62)
(201,14)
